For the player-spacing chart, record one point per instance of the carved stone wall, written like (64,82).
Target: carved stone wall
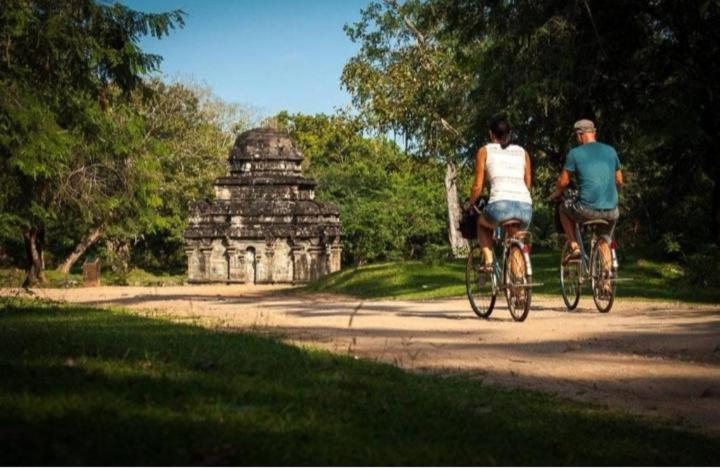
(264,225)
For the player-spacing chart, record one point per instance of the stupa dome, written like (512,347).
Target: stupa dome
(264,143)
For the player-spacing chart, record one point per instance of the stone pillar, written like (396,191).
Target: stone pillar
(260,270)
(335,256)
(317,260)
(231,255)
(270,255)
(194,273)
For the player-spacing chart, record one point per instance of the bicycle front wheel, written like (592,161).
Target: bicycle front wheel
(602,276)
(517,280)
(570,278)
(479,284)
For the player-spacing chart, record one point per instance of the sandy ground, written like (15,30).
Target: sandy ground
(654,358)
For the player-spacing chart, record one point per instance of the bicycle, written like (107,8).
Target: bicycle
(603,275)
(482,286)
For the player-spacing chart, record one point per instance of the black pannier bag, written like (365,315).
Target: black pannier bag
(468,221)
(468,224)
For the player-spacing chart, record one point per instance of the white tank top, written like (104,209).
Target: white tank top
(505,169)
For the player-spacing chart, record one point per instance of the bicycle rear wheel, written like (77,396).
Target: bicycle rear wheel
(602,276)
(479,284)
(516,281)
(570,278)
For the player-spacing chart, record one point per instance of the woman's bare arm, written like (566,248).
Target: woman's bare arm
(477,186)
(528,171)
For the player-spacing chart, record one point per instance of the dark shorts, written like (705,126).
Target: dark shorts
(580,214)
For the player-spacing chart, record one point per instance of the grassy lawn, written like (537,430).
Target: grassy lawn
(13,277)
(85,386)
(419,280)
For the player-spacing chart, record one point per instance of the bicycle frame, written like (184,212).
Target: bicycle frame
(585,256)
(500,238)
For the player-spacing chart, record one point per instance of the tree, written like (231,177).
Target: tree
(389,206)
(642,70)
(113,185)
(59,60)
(182,134)
(405,80)
(191,132)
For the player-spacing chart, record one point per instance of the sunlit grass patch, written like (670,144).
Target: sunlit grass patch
(645,279)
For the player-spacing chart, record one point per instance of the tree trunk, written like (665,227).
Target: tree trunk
(85,243)
(120,255)
(41,247)
(458,244)
(34,252)
(716,204)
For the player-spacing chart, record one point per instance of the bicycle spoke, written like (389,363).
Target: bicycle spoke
(602,276)
(516,279)
(570,278)
(479,284)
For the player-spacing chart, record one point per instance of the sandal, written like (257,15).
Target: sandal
(574,255)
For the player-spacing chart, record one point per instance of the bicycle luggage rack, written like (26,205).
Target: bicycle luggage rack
(529,285)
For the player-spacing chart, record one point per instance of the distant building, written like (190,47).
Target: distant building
(264,225)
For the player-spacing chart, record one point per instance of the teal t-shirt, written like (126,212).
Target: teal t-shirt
(594,165)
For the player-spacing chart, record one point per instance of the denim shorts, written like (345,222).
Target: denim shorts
(503,210)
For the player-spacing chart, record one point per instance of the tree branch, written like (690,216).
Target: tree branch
(425,58)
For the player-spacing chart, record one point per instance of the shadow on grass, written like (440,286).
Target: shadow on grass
(84,386)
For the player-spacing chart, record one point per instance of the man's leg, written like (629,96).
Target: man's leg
(568,225)
(606,255)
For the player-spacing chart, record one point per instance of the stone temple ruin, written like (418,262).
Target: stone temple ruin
(264,225)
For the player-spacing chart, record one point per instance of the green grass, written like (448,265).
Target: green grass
(419,280)
(13,277)
(85,386)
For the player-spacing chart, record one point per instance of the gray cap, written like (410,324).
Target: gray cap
(584,126)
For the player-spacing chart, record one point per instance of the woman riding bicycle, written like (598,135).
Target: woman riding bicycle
(507,169)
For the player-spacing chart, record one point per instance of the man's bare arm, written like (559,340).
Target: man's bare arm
(562,182)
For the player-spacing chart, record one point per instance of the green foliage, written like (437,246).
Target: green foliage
(437,254)
(390,207)
(188,132)
(13,278)
(65,72)
(644,72)
(405,78)
(85,386)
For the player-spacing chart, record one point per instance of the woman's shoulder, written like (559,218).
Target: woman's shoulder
(516,149)
(511,148)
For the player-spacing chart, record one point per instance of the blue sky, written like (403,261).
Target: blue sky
(271,55)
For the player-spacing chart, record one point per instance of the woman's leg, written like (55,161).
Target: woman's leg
(484,230)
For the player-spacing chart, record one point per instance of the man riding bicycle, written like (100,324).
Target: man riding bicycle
(599,176)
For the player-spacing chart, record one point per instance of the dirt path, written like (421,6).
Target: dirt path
(649,357)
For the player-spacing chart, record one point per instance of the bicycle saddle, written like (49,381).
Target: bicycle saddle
(510,222)
(598,222)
